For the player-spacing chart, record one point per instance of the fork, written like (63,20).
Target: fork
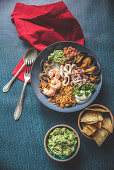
(19,106)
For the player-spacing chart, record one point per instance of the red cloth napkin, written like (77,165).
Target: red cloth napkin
(44,25)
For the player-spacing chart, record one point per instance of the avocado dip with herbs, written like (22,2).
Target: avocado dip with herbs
(57,56)
(62,142)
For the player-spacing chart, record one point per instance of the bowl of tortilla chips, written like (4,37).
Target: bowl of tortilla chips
(96,123)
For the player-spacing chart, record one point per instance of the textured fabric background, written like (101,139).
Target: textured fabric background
(21,142)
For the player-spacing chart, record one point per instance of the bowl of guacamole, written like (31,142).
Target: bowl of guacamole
(62,143)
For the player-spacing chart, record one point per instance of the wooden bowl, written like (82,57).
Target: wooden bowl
(84,111)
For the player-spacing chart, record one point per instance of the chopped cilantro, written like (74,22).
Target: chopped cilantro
(87,88)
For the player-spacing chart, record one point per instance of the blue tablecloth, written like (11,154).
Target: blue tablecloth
(21,142)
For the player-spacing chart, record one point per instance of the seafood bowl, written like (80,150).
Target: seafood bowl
(85,60)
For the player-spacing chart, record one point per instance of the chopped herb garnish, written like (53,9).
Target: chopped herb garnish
(74,60)
(77,92)
(86,88)
(75,85)
(86,93)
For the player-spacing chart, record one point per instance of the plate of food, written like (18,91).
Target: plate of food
(66,76)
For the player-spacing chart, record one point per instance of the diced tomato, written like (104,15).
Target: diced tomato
(71,55)
(69,48)
(75,53)
(66,52)
(65,48)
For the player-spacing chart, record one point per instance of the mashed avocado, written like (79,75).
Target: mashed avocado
(57,56)
(62,142)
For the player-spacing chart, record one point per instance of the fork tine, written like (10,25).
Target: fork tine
(29,66)
(26,70)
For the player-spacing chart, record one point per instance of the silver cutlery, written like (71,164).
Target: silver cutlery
(30,54)
(19,106)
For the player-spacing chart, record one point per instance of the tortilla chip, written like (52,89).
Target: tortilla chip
(100,116)
(98,124)
(97,109)
(91,127)
(106,124)
(86,130)
(90,123)
(100,135)
(92,117)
